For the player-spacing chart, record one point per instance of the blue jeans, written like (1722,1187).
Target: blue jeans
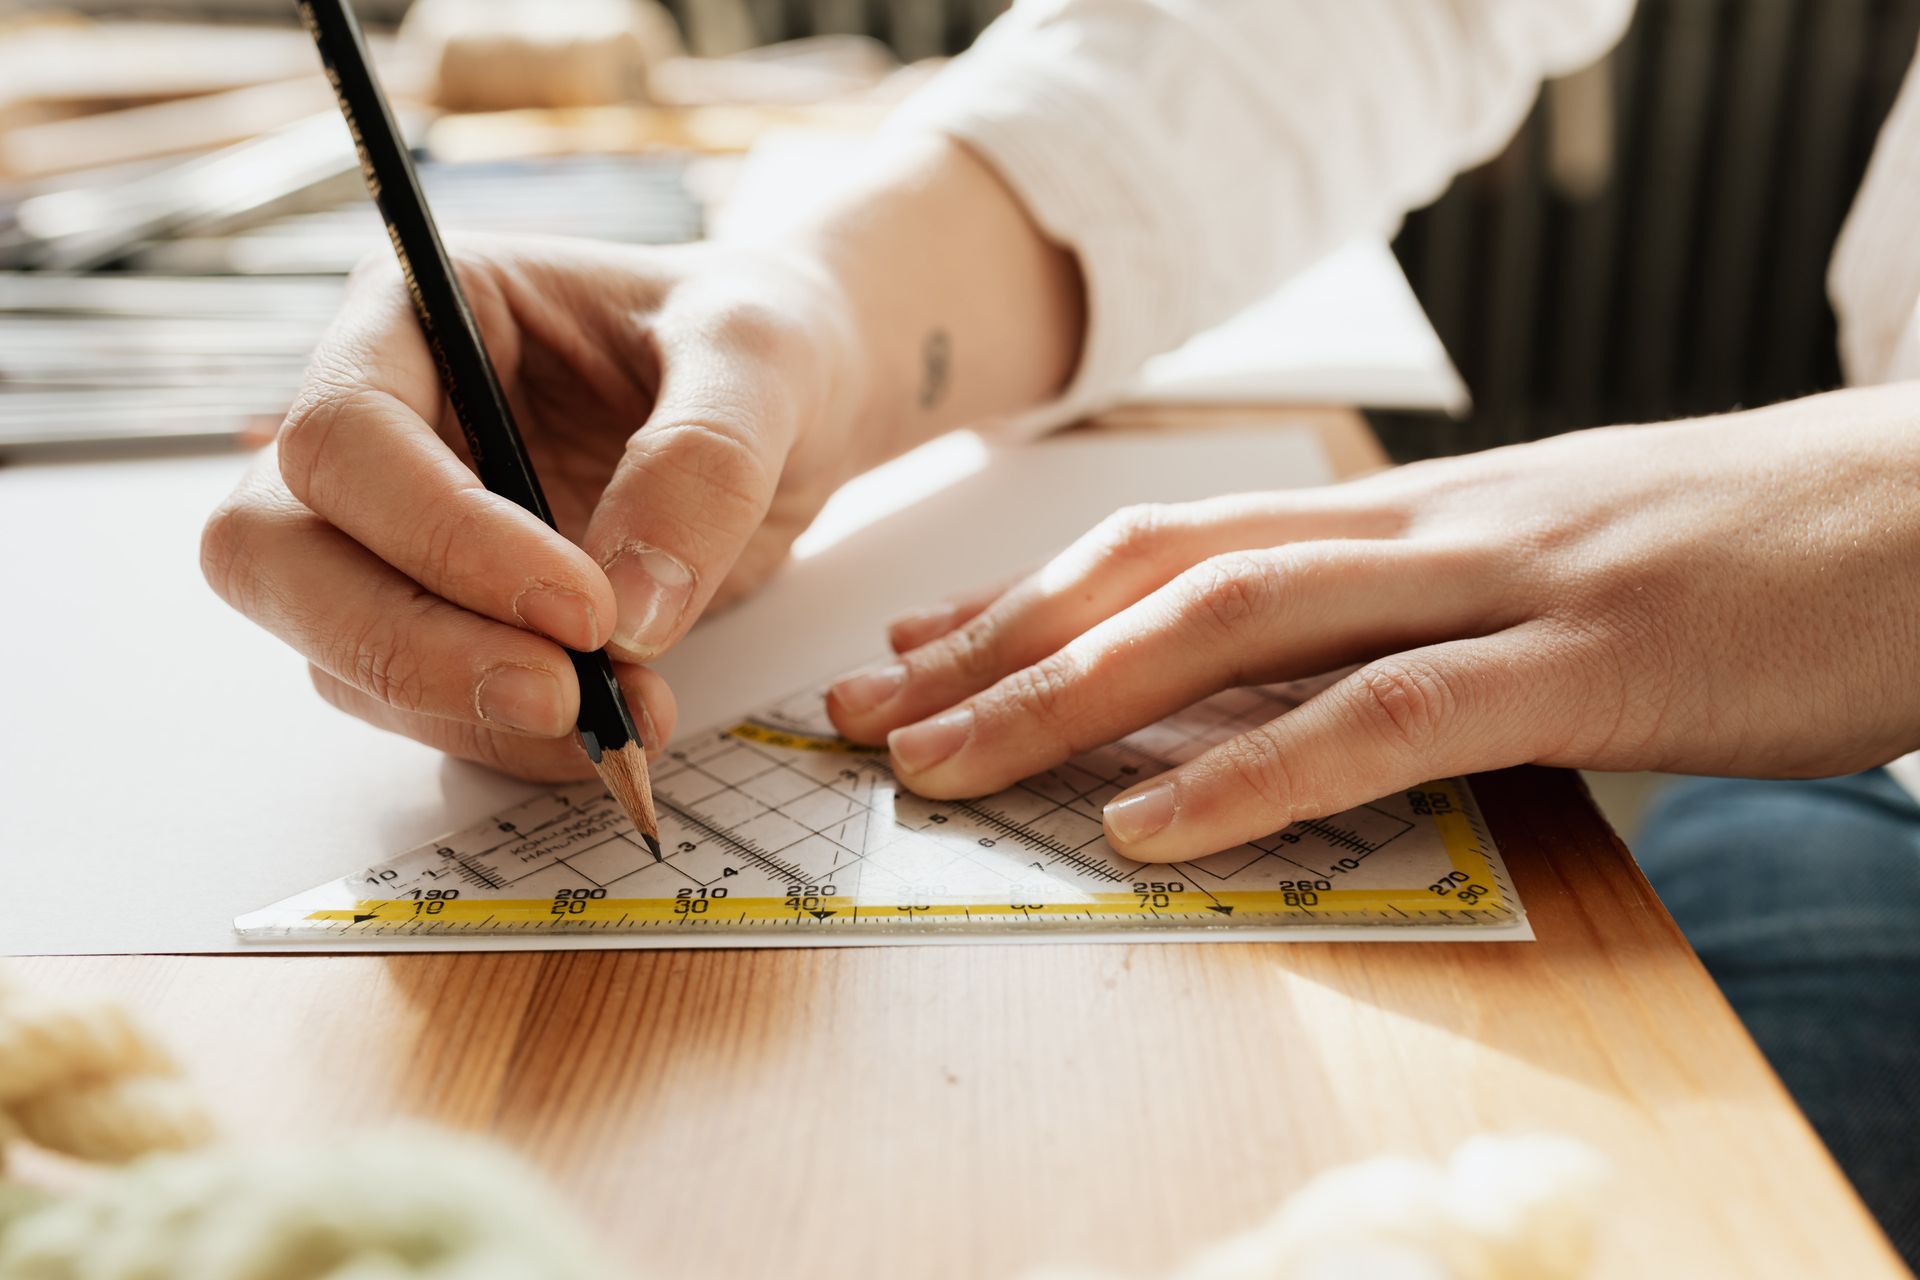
(1803,899)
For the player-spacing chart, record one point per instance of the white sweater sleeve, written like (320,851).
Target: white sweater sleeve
(1195,153)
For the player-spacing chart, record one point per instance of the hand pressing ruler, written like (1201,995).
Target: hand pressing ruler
(778,833)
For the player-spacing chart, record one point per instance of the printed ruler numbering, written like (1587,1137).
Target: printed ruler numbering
(779,833)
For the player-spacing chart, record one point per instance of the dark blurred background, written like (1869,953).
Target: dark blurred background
(1653,243)
(1680,268)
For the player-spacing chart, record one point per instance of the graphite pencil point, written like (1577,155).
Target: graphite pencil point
(625,773)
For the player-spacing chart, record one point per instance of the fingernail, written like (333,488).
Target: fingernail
(523,698)
(909,629)
(565,615)
(649,734)
(1140,814)
(653,589)
(865,690)
(919,747)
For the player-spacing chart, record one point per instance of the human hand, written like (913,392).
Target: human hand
(688,410)
(429,606)
(1729,596)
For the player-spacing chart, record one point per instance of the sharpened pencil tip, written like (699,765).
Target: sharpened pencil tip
(625,773)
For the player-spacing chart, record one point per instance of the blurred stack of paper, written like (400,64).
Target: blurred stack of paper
(205,339)
(200,172)
(115,359)
(636,200)
(95,219)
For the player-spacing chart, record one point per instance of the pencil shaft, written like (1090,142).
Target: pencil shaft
(472,385)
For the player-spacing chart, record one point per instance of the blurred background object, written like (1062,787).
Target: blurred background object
(1652,244)
(489,55)
(179,201)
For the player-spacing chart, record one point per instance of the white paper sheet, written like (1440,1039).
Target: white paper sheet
(142,810)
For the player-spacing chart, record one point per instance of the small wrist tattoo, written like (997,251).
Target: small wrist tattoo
(936,356)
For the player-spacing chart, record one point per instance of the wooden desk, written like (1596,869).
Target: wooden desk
(971,1111)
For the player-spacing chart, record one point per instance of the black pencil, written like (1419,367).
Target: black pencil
(473,388)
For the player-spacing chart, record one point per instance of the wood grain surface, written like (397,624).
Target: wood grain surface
(972,1111)
(967,1111)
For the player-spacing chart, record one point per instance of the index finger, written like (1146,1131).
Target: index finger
(1431,712)
(360,450)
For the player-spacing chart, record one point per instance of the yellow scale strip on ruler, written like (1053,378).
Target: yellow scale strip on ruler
(1463,846)
(792,740)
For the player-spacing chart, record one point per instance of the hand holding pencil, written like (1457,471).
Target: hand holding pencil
(686,409)
(494,447)
(434,608)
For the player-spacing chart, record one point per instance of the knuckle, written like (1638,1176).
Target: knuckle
(972,651)
(1624,704)
(1407,699)
(306,436)
(226,553)
(1043,691)
(1256,764)
(439,540)
(1229,591)
(247,542)
(751,328)
(371,659)
(759,331)
(1131,533)
(722,460)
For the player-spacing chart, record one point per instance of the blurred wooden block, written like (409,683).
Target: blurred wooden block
(497,55)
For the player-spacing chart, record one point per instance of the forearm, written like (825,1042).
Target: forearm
(1193,154)
(961,308)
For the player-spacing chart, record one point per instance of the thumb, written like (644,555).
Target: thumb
(694,483)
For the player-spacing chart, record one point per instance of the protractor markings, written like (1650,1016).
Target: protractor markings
(745,848)
(477,876)
(1339,837)
(1394,818)
(1036,840)
(573,810)
(862,798)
